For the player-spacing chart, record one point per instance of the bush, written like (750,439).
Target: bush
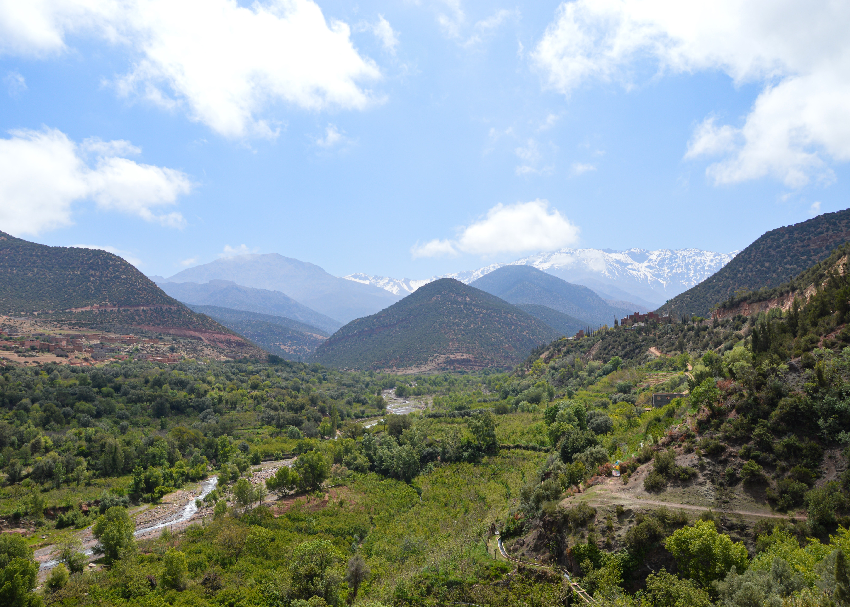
(175,570)
(58,578)
(752,473)
(654,482)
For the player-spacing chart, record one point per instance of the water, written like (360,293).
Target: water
(183,515)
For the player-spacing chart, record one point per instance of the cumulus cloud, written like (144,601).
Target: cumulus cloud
(236,251)
(224,64)
(43,173)
(814,210)
(516,228)
(795,51)
(129,257)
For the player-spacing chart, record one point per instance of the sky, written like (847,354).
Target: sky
(412,139)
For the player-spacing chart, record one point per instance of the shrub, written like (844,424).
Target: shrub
(58,578)
(114,531)
(752,473)
(175,570)
(654,482)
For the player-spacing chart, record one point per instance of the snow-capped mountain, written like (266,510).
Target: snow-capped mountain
(648,278)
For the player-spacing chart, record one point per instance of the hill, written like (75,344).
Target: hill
(562,323)
(775,258)
(228,294)
(285,337)
(443,325)
(528,285)
(98,289)
(308,284)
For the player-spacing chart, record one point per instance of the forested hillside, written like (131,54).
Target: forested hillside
(775,258)
(443,325)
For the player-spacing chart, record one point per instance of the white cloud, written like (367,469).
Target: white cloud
(236,251)
(814,210)
(225,64)
(384,31)
(433,248)
(188,262)
(15,83)
(43,173)
(550,121)
(487,26)
(516,228)
(110,249)
(333,137)
(452,19)
(580,168)
(796,51)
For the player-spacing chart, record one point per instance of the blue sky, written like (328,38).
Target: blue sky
(410,139)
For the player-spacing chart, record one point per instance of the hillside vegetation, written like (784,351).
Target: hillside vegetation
(93,288)
(442,325)
(38,278)
(560,322)
(527,285)
(775,258)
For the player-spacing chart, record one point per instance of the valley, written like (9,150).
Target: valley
(454,447)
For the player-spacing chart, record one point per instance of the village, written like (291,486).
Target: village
(29,341)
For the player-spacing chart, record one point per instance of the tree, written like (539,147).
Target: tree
(703,554)
(842,579)
(71,555)
(284,480)
(18,573)
(313,469)
(357,572)
(114,531)
(483,428)
(176,570)
(313,571)
(666,590)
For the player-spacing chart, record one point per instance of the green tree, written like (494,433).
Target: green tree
(483,428)
(18,573)
(667,590)
(313,570)
(114,531)
(175,571)
(71,555)
(284,480)
(703,554)
(313,469)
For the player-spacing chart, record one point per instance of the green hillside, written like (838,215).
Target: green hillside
(562,323)
(528,285)
(97,289)
(285,337)
(38,278)
(443,325)
(775,258)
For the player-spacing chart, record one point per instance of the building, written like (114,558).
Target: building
(637,317)
(660,399)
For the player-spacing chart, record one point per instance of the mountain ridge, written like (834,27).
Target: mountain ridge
(443,325)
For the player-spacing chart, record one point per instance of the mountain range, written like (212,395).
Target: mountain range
(636,276)
(227,294)
(442,325)
(308,284)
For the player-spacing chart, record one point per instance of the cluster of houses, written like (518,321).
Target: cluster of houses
(638,319)
(84,348)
